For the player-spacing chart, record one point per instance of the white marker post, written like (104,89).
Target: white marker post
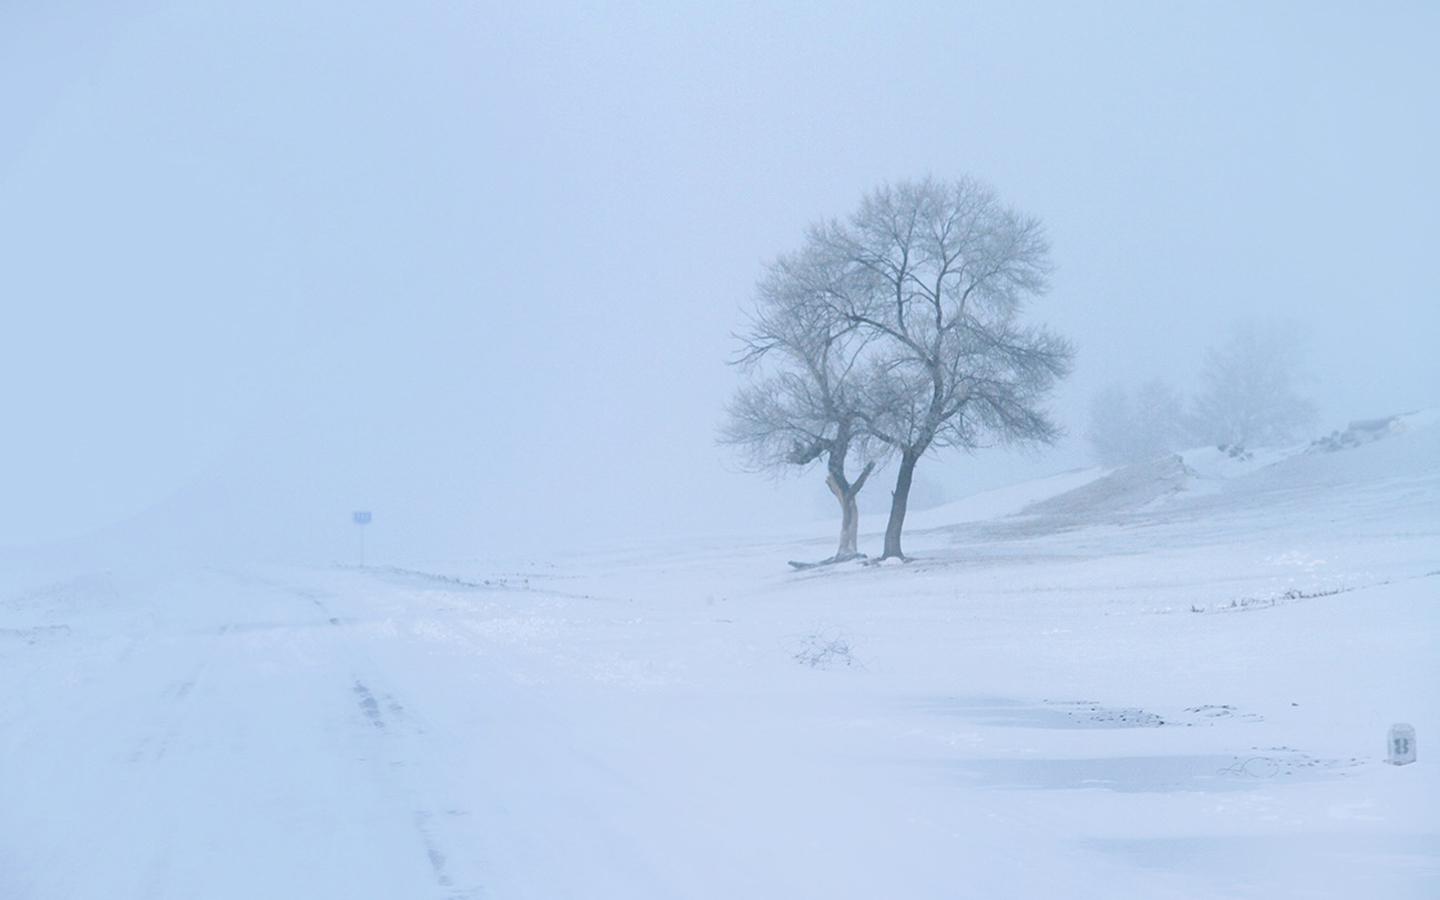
(1402,744)
(361,517)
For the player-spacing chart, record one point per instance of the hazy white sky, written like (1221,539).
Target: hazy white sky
(476,266)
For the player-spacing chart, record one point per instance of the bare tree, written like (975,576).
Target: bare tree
(1126,430)
(802,404)
(1250,395)
(937,275)
(1111,417)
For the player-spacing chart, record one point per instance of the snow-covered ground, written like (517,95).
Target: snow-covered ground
(1171,680)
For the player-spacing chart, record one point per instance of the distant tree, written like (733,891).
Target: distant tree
(1124,430)
(1109,431)
(1160,422)
(801,405)
(938,274)
(1250,395)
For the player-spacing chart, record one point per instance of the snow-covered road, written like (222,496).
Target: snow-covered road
(320,734)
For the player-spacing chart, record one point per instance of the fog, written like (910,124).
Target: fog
(477,268)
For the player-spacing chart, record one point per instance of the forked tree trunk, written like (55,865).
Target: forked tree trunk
(849,521)
(899,500)
(845,493)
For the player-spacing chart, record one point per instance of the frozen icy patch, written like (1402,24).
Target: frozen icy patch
(1048,713)
(1157,774)
(1085,714)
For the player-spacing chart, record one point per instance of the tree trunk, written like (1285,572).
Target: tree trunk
(898,502)
(845,493)
(849,520)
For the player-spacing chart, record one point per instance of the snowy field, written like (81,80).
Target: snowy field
(1172,680)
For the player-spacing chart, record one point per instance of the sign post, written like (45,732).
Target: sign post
(1402,744)
(361,517)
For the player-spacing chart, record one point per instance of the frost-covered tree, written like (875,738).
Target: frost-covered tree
(1250,394)
(1160,424)
(1125,429)
(1111,418)
(937,276)
(801,403)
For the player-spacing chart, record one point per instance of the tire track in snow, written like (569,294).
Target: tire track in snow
(397,754)
(156,740)
(368,705)
(398,751)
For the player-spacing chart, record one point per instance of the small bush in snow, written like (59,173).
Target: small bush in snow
(825,651)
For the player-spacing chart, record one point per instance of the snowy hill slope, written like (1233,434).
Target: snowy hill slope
(1128,488)
(1371,457)
(1003,501)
